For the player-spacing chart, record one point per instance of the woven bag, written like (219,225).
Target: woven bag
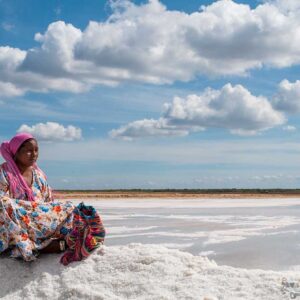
(86,235)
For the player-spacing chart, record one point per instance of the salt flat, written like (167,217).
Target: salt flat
(189,202)
(181,249)
(248,233)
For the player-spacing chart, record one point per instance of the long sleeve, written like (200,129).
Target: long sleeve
(4,186)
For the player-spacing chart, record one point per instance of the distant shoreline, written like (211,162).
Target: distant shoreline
(219,194)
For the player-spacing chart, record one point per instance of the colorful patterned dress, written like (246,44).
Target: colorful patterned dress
(28,226)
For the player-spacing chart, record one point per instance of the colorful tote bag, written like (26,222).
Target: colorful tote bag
(86,235)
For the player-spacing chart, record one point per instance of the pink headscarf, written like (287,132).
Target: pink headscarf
(16,180)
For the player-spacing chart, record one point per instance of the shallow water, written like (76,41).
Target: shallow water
(257,236)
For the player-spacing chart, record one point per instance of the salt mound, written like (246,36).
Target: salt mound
(136,271)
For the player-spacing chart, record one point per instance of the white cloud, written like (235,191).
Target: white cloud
(274,177)
(149,43)
(13,78)
(52,131)
(287,5)
(288,97)
(8,89)
(289,128)
(148,128)
(152,44)
(10,58)
(232,107)
(55,57)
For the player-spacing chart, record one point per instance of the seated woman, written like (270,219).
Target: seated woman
(31,221)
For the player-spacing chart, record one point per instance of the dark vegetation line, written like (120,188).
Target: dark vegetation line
(190,191)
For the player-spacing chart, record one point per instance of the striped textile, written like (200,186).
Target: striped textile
(86,235)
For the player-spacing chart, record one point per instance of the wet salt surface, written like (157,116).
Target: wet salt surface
(247,233)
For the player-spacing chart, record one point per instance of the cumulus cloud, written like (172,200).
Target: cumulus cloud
(287,5)
(52,131)
(149,43)
(55,57)
(288,97)
(232,107)
(16,81)
(10,58)
(153,44)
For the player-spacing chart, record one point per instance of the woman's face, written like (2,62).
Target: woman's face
(28,153)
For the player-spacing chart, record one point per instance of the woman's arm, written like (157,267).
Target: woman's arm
(4,186)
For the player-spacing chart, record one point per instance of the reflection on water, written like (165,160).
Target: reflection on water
(251,237)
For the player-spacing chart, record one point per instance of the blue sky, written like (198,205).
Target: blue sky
(158,94)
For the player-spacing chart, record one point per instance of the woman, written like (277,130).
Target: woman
(30,220)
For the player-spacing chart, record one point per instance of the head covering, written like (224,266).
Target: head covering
(15,178)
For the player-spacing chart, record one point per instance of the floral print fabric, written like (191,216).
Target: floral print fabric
(28,226)
(40,187)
